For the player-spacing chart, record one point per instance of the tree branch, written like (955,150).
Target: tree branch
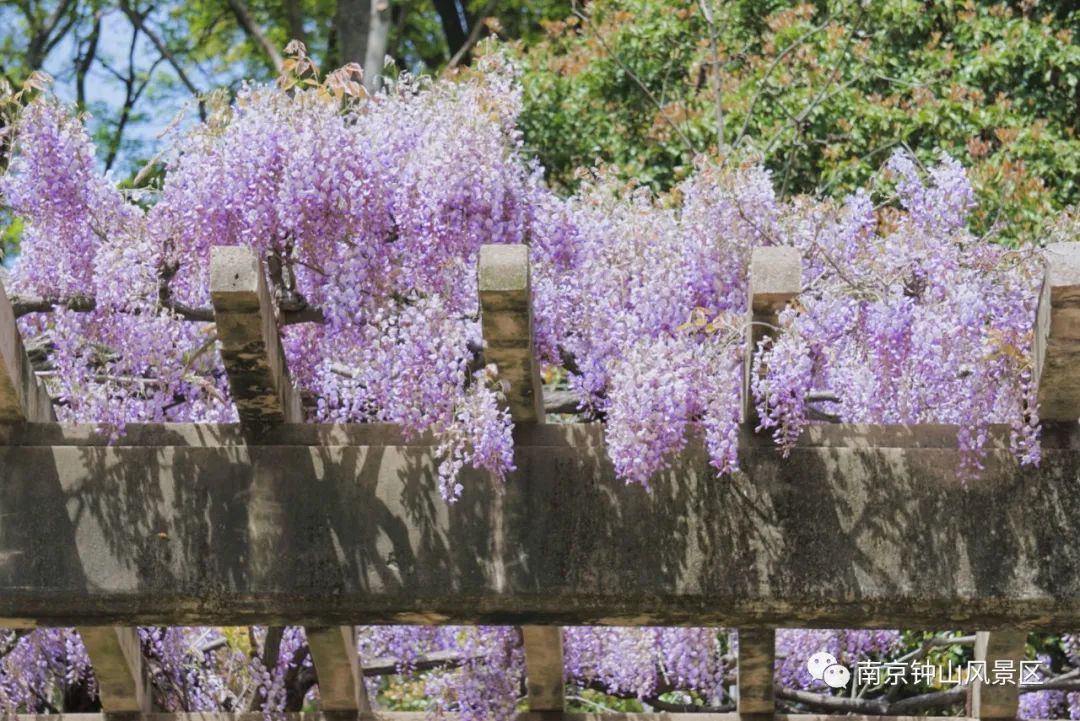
(352,23)
(450,15)
(41,40)
(269,658)
(25,304)
(718,87)
(85,60)
(294,20)
(139,21)
(798,42)
(251,28)
(587,19)
(379,24)
(876,706)
(474,36)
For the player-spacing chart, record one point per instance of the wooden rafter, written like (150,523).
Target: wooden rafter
(506,318)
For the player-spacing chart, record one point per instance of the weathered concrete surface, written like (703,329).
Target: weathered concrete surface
(249,341)
(757,659)
(1057,334)
(775,278)
(506,319)
(860,526)
(544,667)
(117,659)
(998,701)
(333,652)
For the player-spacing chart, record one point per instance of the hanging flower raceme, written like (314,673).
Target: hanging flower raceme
(374,210)
(910,320)
(629,300)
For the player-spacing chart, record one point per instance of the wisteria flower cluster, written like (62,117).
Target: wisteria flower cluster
(374,211)
(647,662)
(906,318)
(635,277)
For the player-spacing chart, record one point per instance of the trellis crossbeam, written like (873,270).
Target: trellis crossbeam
(860,526)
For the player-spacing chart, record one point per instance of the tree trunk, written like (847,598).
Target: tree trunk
(352,22)
(455,22)
(378,36)
(251,28)
(294,19)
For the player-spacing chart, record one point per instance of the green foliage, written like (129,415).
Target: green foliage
(9,240)
(591,701)
(823,91)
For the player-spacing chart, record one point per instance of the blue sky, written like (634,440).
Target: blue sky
(105,92)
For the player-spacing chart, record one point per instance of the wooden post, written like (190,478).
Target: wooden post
(1057,335)
(506,318)
(757,656)
(341,682)
(22,398)
(249,341)
(265,397)
(544,667)
(775,280)
(116,656)
(1003,650)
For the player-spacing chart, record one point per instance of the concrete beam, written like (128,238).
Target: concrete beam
(249,341)
(860,526)
(757,659)
(775,280)
(1057,335)
(116,657)
(22,398)
(506,317)
(333,652)
(998,701)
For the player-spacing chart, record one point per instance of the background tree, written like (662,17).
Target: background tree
(823,92)
(134,63)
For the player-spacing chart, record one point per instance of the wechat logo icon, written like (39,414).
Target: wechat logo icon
(823,667)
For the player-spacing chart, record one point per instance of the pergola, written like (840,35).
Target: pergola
(275,521)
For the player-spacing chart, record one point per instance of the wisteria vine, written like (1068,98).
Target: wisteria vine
(371,211)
